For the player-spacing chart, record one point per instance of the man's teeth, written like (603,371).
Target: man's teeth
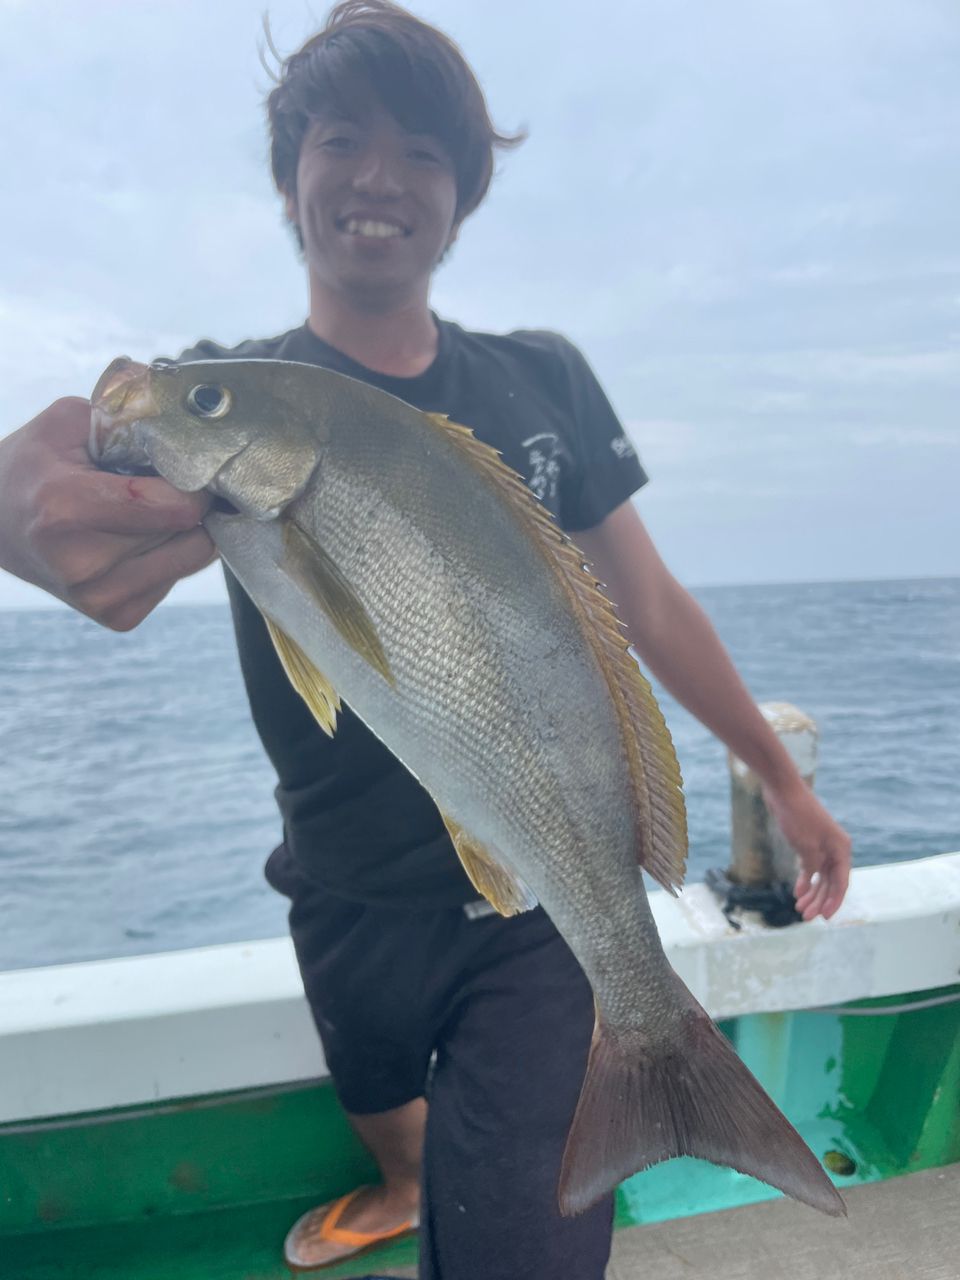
(368,227)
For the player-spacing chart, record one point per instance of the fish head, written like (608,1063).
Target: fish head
(239,428)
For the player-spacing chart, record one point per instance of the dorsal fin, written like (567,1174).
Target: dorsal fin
(661,833)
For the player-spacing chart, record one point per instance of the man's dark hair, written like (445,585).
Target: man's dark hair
(417,72)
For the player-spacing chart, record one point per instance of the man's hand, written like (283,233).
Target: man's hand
(821,844)
(110,546)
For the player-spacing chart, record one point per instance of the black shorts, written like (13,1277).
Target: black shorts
(508,1014)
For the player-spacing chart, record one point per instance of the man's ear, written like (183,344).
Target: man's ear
(290,206)
(451,241)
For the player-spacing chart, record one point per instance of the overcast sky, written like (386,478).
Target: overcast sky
(745,213)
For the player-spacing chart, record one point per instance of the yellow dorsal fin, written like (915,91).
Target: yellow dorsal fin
(311,566)
(501,888)
(314,688)
(661,833)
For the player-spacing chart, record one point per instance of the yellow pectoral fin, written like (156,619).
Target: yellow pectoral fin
(501,888)
(314,688)
(308,563)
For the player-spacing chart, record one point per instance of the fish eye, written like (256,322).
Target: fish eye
(209,401)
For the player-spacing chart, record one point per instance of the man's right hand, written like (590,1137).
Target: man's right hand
(111,546)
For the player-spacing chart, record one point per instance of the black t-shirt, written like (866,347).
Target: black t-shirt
(355,821)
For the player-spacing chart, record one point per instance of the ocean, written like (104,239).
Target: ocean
(136,804)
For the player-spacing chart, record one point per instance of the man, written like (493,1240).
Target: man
(381,148)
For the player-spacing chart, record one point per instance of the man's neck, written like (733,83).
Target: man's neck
(400,340)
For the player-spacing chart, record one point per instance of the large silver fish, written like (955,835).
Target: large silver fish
(400,564)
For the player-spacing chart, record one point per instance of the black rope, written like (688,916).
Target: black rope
(775,903)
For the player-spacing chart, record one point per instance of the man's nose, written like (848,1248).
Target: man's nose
(378,174)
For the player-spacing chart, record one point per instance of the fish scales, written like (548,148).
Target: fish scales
(491,673)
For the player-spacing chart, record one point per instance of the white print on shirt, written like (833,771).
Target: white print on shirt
(622,447)
(543,473)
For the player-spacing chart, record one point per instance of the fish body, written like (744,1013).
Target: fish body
(401,566)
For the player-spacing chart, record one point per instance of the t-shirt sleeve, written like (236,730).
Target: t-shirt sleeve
(608,469)
(206,349)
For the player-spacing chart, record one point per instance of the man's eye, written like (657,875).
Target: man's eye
(425,156)
(338,143)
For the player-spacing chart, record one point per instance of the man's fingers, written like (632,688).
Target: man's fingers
(65,424)
(839,880)
(812,905)
(811,886)
(802,887)
(114,598)
(127,504)
(132,612)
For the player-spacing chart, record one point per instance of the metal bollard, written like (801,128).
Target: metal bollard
(760,856)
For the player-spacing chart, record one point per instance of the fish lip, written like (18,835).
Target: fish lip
(122,398)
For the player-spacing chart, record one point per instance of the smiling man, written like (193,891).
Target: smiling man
(381,148)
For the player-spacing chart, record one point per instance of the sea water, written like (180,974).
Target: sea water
(136,804)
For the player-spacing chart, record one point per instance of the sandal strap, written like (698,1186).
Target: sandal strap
(358,1239)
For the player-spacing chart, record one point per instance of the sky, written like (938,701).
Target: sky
(747,215)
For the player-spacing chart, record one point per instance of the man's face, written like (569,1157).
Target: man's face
(375,205)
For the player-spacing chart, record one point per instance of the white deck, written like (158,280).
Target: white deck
(84,1037)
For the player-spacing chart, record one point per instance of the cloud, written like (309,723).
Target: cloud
(905,437)
(752,235)
(59,345)
(871,367)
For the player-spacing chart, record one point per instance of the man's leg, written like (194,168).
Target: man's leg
(377,1050)
(510,1064)
(394,1139)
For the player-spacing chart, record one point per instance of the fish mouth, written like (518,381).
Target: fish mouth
(122,398)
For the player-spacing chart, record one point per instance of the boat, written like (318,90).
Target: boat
(167,1117)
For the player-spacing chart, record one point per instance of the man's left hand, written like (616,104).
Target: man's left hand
(821,844)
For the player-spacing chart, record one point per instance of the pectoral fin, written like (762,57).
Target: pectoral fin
(313,687)
(310,566)
(501,888)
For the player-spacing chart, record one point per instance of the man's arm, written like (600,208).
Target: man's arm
(677,642)
(110,546)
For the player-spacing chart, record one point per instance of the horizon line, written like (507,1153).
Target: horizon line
(56,605)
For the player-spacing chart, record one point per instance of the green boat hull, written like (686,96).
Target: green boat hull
(206,1188)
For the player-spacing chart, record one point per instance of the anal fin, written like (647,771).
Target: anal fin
(504,891)
(313,687)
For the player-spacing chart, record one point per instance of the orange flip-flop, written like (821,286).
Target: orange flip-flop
(358,1241)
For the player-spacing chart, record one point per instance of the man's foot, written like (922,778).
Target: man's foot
(343,1228)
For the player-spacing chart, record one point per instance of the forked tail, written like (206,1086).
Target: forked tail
(693,1096)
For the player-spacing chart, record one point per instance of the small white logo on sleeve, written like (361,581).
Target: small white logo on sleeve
(622,447)
(544,465)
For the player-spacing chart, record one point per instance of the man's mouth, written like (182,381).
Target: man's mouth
(372,228)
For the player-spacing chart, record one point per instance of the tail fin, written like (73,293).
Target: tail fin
(641,1104)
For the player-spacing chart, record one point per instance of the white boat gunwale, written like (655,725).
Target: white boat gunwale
(89,1037)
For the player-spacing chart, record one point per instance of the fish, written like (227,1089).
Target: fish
(400,565)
